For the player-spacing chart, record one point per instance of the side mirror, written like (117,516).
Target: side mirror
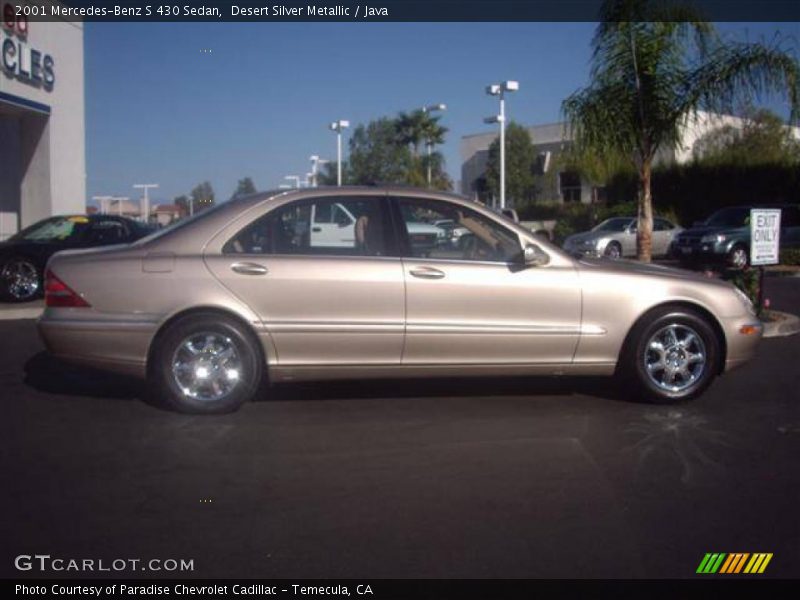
(532,256)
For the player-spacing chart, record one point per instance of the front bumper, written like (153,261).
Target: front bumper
(697,250)
(742,336)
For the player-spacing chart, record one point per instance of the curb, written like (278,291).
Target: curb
(787,325)
(12,312)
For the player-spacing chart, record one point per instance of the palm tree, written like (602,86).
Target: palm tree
(418,127)
(652,66)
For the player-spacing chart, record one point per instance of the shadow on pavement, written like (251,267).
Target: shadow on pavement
(50,375)
(447,387)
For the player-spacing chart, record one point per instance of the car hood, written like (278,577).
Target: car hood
(415,227)
(708,230)
(585,236)
(648,269)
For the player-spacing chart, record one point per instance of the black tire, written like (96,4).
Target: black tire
(613,250)
(170,344)
(738,257)
(20,293)
(638,352)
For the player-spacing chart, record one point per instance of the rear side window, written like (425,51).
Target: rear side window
(338,226)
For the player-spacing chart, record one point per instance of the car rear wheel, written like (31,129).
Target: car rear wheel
(613,250)
(672,355)
(737,257)
(205,364)
(20,280)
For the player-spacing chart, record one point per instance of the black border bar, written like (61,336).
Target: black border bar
(395,10)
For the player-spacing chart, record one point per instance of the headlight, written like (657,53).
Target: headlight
(745,300)
(714,238)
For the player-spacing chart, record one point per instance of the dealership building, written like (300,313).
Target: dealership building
(42,137)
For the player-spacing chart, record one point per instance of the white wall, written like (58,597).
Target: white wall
(56,180)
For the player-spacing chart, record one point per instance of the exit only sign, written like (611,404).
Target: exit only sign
(765,233)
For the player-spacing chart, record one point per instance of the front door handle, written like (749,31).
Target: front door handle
(427,273)
(248,268)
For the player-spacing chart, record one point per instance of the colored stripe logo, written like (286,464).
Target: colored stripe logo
(734,563)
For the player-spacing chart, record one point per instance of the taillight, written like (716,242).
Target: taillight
(57,293)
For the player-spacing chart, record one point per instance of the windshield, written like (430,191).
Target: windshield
(617,224)
(55,229)
(730,217)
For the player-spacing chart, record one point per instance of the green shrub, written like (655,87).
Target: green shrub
(790,256)
(747,281)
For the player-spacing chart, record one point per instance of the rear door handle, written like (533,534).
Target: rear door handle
(248,268)
(316,229)
(427,273)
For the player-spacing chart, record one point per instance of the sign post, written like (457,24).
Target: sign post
(765,233)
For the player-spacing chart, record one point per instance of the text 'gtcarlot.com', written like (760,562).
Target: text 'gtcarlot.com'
(45,562)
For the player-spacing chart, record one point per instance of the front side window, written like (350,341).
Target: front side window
(326,226)
(443,230)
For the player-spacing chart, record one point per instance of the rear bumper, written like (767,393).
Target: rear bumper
(112,345)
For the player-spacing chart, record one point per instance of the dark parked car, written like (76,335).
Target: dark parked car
(24,255)
(725,236)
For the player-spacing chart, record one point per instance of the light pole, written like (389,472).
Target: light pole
(103,203)
(500,89)
(426,110)
(146,187)
(316,161)
(120,200)
(294,178)
(337,126)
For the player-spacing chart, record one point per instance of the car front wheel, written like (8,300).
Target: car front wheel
(205,364)
(673,354)
(737,257)
(613,250)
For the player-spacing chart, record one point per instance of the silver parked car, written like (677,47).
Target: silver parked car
(248,291)
(616,238)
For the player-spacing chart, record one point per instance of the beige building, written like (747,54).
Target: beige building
(553,138)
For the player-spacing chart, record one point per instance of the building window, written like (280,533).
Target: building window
(569,184)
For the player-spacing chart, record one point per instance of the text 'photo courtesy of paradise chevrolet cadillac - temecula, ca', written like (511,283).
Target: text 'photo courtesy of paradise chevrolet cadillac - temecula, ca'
(358,282)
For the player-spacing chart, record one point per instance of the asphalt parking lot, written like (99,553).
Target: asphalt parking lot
(488,478)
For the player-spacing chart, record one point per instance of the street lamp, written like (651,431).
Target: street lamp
(427,109)
(500,89)
(337,126)
(294,178)
(316,161)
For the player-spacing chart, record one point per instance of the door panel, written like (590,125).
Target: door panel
(324,303)
(324,310)
(490,313)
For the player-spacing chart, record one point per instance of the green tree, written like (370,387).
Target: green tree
(202,196)
(376,156)
(418,130)
(763,139)
(182,202)
(652,65)
(520,165)
(245,187)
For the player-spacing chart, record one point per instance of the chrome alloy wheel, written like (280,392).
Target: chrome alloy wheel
(206,366)
(21,278)
(739,257)
(675,357)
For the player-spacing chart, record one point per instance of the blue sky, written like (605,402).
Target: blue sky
(179,103)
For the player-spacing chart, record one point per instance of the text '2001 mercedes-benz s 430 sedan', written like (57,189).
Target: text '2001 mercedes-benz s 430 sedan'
(345,282)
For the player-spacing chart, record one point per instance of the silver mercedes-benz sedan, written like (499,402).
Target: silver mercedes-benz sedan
(331,283)
(616,238)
